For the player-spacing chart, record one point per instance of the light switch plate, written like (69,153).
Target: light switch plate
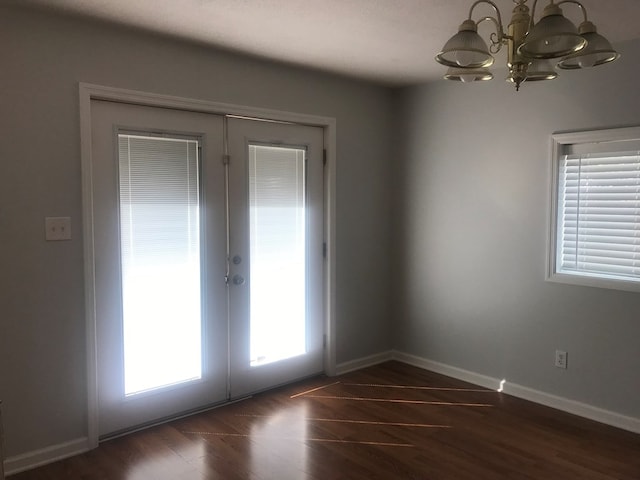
(57,228)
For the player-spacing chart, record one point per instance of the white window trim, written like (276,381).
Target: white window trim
(559,141)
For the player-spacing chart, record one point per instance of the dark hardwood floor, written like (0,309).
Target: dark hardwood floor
(391,421)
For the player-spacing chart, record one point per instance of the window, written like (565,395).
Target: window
(160,261)
(595,221)
(277,233)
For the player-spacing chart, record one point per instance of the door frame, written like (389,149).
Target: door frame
(89,92)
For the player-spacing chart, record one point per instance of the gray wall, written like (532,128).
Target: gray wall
(473,206)
(468,215)
(42,323)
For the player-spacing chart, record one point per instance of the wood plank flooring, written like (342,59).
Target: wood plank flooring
(391,421)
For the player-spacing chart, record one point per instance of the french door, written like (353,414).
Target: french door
(276,212)
(208,259)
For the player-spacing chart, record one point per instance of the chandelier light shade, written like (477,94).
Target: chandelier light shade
(541,69)
(467,75)
(466,49)
(597,52)
(534,49)
(552,37)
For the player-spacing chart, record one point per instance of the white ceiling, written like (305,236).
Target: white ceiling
(392,42)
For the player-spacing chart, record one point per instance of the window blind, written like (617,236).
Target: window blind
(599,215)
(277,234)
(160,260)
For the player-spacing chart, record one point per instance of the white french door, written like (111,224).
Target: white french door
(208,273)
(158,201)
(276,218)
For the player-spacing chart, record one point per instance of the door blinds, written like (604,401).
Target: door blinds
(160,254)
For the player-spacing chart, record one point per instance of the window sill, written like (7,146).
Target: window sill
(586,280)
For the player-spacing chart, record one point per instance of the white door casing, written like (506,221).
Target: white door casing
(88,93)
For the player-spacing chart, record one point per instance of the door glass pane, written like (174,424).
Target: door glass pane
(160,258)
(277,202)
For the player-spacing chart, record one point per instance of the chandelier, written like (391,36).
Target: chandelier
(533,48)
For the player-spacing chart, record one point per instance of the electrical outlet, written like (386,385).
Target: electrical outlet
(561,359)
(57,228)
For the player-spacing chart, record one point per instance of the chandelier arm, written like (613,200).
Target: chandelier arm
(584,10)
(535,2)
(497,38)
(495,7)
(533,14)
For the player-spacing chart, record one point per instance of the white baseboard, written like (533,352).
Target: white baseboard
(449,371)
(559,403)
(363,362)
(576,408)
(37,458)
(54,453)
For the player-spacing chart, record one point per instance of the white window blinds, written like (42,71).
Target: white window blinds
(160,259)
(598,230)
(277,234)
